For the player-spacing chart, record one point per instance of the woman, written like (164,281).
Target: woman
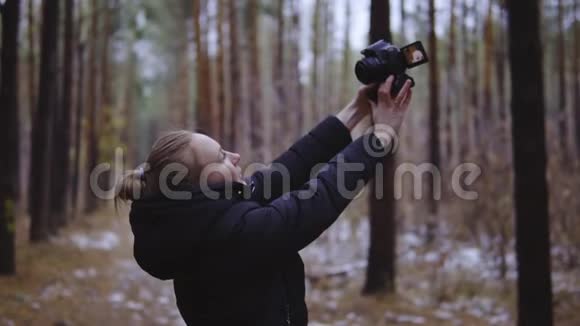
(231,245)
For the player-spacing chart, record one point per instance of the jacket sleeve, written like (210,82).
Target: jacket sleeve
(293,168)
(291,222)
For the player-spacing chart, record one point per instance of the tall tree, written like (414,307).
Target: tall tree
(474,77)
(529,148)
(403,20)
(500,57)
(576,74)
(329,80)
(279,119)
(223,104)
(315,109)
(32,46)
(128,136)
(39,187)
(183,72)
(489,44)
(80,97)
(178,87)
(203,97)
(380,274)
(255,81)
(92,105)
(236,113)
(451,82)
(62,126)
(78,123)
(346,74)
(294,84)
(561,67)
(465,143)
(107,132)
(9,134)
(434,141)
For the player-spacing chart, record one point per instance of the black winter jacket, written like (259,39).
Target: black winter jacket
(234,259)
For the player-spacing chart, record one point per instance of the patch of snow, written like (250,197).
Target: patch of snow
(85,273)
(501,319)
(105,241)
(468,258)
(55,291)
(133,305)
(432,257)
(163,300)
(411,240)
(404,319)
(409,256)
(443,314)
(116,297)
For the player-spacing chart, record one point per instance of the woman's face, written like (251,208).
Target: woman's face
(223,165)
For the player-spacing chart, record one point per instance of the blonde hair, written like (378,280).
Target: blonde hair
(173,147)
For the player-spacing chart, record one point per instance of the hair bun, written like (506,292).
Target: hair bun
(131,185)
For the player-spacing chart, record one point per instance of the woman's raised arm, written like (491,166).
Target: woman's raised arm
(294,167)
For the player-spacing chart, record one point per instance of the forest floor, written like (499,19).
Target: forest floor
(87,276)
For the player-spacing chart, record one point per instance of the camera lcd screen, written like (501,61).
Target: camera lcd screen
(415,54)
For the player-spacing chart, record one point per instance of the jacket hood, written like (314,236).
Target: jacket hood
(170,233)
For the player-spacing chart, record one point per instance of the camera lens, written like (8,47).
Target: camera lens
(370,70)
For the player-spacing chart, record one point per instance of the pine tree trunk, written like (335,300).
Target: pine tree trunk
(222,101)
(236,113)
(255,82)
(280,120)
(42,134)
(106,129)
(329,81)
(203,96)
(92,112)
(130,130)
(530,185)
(403,21)
(315,109)
(346,57)
(451,84)
(32,46)
(9,134)
(434,146)
(294,84)
(79,116)
(380,273)
(500,57)
(465,143)
(576,74)
(474,79)
(61,182)
(561,66)
(487,71)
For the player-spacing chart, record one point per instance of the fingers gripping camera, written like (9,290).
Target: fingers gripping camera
(383,59)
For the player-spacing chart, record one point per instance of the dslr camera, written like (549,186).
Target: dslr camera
(383,59)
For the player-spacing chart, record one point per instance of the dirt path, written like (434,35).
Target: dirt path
(87,276)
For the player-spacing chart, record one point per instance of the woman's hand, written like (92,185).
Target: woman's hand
(357,109)
(388,113)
